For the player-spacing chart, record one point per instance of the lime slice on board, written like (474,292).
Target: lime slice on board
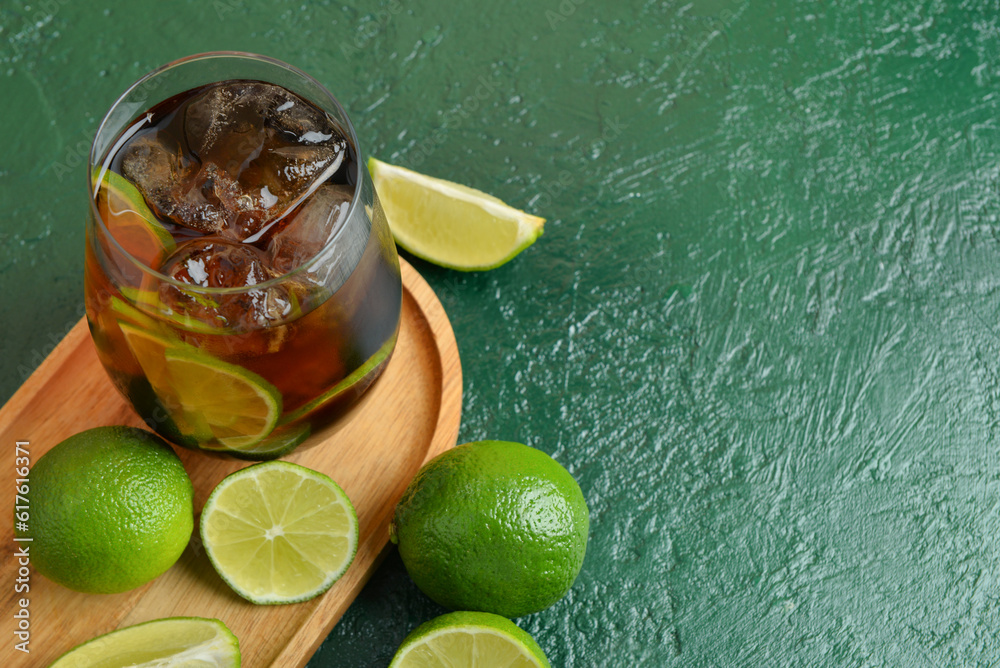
(207,399)
(449,224)
(129,219)
(470,640)
(191,642)
(278,532)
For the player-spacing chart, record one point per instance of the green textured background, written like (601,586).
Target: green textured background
(760,328)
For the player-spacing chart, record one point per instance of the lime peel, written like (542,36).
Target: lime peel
(111,509)
(494,526)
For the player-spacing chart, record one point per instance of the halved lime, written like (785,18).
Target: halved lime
(343,386)
(450,224)
(174,642)
(207,399)
(130,220)
(278,532)
(470,640)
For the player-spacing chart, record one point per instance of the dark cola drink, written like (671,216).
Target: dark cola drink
(242,285)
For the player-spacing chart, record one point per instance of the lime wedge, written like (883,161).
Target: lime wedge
(471,640)
(208,400)
(164,643)
(450,224)
(278,532)
(130,220)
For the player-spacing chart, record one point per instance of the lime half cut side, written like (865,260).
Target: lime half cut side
(209,401)
(450,224)
(470,640)
(279,532)
(174,642)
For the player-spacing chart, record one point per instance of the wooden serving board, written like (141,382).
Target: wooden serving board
(410,415)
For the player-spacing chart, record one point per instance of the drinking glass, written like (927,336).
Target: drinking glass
(249,369)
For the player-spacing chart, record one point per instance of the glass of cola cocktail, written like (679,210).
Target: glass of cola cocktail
(242,285)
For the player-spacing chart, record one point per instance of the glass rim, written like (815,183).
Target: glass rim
(188,287)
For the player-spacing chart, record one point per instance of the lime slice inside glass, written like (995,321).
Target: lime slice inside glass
(471,640)
(278,443)
(450,224)
(208,400)
(278,532)
(129,219)
(165,643)
(139,305)
(343,386)
(124,310)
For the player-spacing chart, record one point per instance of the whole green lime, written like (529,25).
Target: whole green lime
(492,526)
(111,509)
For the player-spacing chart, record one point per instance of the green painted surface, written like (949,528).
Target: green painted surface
(760,329)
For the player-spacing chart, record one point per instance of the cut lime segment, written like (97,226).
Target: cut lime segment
(278,532)
(129,219)
(370,364)
(470,640)
(450,224)
(174,642)
(207,399)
